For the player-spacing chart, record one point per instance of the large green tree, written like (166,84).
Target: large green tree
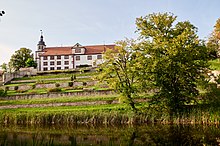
(121,70)
(177,58)
(20,57)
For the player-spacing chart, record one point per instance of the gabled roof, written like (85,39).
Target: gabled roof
(93,49)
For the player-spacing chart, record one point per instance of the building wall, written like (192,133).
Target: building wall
(84,60)
(56,66)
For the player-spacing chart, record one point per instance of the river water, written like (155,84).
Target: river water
(110,135)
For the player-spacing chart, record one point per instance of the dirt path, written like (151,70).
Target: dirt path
(56,104)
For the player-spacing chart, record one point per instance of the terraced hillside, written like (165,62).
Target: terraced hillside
(62,82)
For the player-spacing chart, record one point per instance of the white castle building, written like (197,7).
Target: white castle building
(59,58)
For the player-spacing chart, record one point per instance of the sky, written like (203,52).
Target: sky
(90,22)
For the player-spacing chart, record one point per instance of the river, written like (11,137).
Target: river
(123,135)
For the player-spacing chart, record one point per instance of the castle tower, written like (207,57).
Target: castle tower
(41,44)
(40,49)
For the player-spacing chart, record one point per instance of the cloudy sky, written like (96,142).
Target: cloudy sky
(66,22)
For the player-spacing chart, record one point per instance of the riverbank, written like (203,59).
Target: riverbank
(105,114)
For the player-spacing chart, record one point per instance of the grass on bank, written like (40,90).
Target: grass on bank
(58,100)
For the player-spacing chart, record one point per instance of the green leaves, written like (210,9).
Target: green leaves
(20,59)
(177,58)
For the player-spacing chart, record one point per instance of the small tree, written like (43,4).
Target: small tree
(19,59)
(121,70)
(4,67)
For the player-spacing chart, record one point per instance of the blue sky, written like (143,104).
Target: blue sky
(88,22)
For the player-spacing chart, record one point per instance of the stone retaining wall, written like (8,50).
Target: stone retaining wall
(52,85)
(54,95)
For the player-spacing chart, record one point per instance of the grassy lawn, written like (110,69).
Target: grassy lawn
(60,75)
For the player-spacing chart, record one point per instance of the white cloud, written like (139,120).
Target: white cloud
(5,53)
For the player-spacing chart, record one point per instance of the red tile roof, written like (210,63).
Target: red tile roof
(95,49)
(57,51)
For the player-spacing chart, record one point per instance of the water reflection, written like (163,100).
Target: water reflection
(110,135)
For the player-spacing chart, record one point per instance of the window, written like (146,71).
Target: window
(45,68)
(58,62)
(52,63)
(99,56)
(66,62)
(66,67)
(51,57)
(58,68)
(89,57)
(45,63)
(66,57)
(77,50)
(58,57)
(52,68)
(77,57)
(45,57)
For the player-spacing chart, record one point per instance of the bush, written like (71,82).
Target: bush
(57,85)
(16,88)
(6,88)
(84,83)
(33,86)
(54,90)
(70,84)
(2,92)
(73,77)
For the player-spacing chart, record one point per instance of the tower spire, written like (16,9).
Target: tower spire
(41,44)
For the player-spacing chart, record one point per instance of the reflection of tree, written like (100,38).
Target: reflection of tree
(72,139)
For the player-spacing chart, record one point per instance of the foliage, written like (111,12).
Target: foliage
(4,67)
(2,92)
(73,77)
(57,85)
(213,41)
(177,58)
(31,63)
(20,57)
(70,84)
(33,86)
(84,83)
(15,87)
(122,70)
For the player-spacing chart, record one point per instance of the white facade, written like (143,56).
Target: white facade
(90,60)
(60,58)
(55,63)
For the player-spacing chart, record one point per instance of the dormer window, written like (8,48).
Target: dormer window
(78,50)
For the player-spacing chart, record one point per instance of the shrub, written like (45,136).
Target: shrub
(6,88)
(70,84)
(33,86)
(2,92)
(73,77)
(54,90)
(84,83)
(16,88)
(57,85)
